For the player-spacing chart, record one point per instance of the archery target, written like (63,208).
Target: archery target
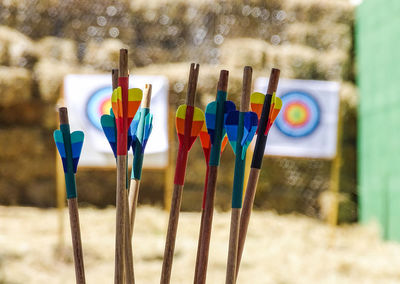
(99,103)
(299,116)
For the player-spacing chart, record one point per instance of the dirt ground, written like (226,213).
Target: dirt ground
(279,249)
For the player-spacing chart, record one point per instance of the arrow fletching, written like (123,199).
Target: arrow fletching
(257,102)
(141,128)
(205,142)
(109,128)
(276,105)
(76,145)
(231,126)
(188,117)
(58,138)
(134,98)
(108,124)
(211,112)
(76,148)
(250,128)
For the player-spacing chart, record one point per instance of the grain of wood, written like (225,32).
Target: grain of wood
(120,221)
(233,246)
(171,234)
(76,240)
(246,213)
(133,199)
(205,229)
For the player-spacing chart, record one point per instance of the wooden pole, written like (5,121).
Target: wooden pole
(177,192)
(234,229)
(255,167)
(74,219)
(208,210)
(335,175)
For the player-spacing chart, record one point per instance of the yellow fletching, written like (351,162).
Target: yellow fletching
(181,111)
(257,98)
(198,114)
(116,94)
(135,94)
(278,103)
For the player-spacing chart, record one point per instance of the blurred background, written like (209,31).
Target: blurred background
(43,41)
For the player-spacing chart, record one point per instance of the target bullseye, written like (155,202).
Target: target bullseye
(99,103)
(300,114)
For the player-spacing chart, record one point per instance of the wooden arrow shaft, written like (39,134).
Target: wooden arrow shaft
(211,184)
(133,200)
(171,234)
(129,272)
(76,240)
(238,180)
(233,246)
(255,166)
(246,212)
(261,141)
(205,227)
(120,220)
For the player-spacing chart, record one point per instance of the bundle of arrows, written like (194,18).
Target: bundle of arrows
(129,125)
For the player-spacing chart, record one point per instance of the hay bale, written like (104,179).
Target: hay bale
(18,49)
(313,11)
(15,85)
(103,55)
(50,74)
(325,36)
(57,48)
(78,20)
(27,152)
(239,52)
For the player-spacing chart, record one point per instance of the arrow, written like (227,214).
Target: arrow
(241,127)
(189,122)
(267,108)
(206,144)
(69,147)
(125,103)
(213,144)
(140,130)
(108,123)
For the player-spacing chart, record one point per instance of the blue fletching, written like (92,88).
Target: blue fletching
(228,107)
(148,127)
(231,126)
(58,138)
(110,130)
(211,111)
(133,129)
(250,128)
(76,145)
(134,124)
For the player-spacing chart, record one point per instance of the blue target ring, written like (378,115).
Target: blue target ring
(300,114)
(98,104)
